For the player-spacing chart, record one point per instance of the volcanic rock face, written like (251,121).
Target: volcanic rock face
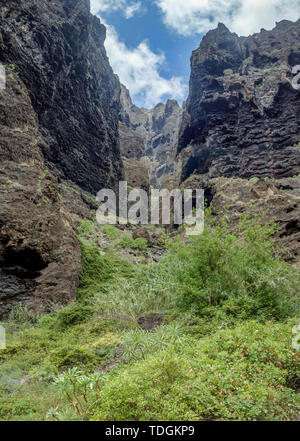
(39,252)
(150,136)
(58,49)
(242,115)
(271,199)
(59,117)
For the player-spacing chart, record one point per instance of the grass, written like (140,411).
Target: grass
(224,352)
(127,241)
(110,231)
(238,374)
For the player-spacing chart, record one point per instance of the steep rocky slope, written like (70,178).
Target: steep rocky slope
(240,131)
(150,136)
(58,137)
(39,251)
(242,114)
(58,50)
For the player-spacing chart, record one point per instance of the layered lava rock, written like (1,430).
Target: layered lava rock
(242,115)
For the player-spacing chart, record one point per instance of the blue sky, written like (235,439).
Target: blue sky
(149,42)
(147,25)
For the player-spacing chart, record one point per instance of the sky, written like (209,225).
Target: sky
(149,42)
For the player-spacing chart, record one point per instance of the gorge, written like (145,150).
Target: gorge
(79,126)
(69,128)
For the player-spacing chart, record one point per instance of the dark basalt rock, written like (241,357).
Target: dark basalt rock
(149,322)
(242,115)
(59,117)
(40,258)
(58,51)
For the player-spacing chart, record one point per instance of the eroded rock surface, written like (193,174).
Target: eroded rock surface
(272,200)
(242,115)
(57,48)
(150,137)
(39,251)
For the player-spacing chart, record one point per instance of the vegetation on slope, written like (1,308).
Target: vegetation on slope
(224,351)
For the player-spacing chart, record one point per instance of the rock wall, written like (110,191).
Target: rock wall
(150,136)
(242,116)
(39,251)
(59,136)
(57,48)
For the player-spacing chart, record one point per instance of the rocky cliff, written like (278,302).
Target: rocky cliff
(39,251)
(68,129)
(242,115)
(58,137)
(57,48)
(150,136)
(240,131)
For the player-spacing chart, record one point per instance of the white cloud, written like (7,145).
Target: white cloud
(138,69)
(190,17)
(129,8)
(132,9)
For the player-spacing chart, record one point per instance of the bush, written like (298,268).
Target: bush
(99,269)
(86,229)
(127,241)
(72,315)
(237,273)
(140,244)
(239,374)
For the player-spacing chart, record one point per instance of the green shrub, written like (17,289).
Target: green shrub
(239,374)
(99,269)
(78,389)
(72,314)
(140,244)
(127,241)
(67,356)
(86,229)
(237,273)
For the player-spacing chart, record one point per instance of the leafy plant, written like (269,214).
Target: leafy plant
(237,374)
(81,391)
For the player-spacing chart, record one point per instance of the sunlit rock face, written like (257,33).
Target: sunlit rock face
(58,50)
(150,136)
(242,115)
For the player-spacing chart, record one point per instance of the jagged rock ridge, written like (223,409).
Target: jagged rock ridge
(150,136)
(242,115)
